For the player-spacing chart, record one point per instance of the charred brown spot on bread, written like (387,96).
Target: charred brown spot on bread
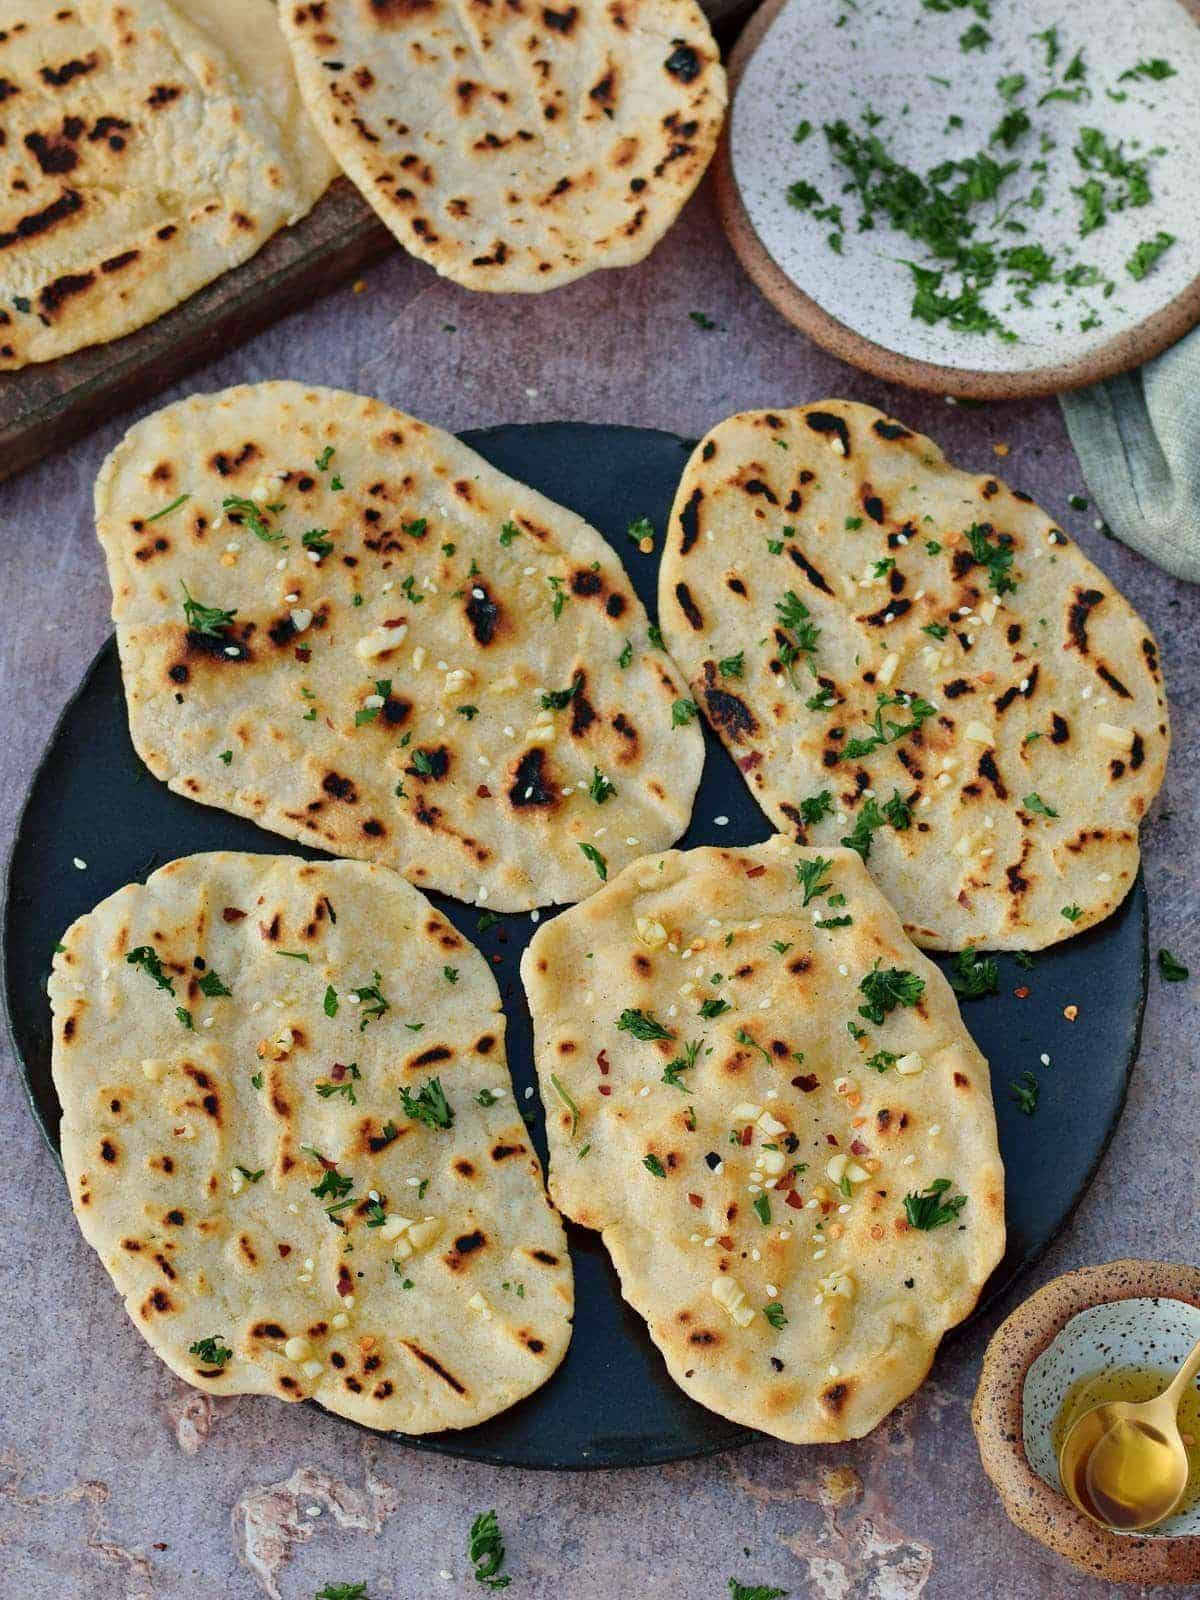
(68,204)
(1150,652)
(435,1053)
(957,687)
(826,422)
(817,579)
(157,1301)
(890,430)
(683,62)
(688,606)
(989,770)
(435,763)
(1137,752)
(1060,730)
(434,1366)
(483,613)
(1114,683)
(873,505)
(228,465)
(689,522)
(109,1152)
(340,788)
(1079,615)
(835,1396)
(728,713)
(502,1152)
(532,784)
(887,614)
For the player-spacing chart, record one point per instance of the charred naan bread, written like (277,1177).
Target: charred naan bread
(289,1134)
(916,662)
(145,147)
(764,1097)
(515,147)
(344,624)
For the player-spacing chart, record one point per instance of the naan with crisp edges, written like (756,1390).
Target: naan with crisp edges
(764,1097)
(916,662)
(515,147)
(343,623)
(289,1134)
(145,148)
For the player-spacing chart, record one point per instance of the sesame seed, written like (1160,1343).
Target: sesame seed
(79,862)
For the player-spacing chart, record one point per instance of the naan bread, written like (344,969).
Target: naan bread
(917,658)
(453,676)
(515,147)
(428,1284)
(145,147)
(749,1173)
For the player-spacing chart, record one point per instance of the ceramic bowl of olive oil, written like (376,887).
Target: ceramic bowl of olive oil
(1114,1332)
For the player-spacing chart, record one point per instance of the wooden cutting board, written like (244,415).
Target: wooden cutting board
(44,408)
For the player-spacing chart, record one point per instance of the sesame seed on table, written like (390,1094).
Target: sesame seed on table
(119,1481)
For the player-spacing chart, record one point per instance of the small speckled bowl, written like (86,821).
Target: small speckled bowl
(1122,1313)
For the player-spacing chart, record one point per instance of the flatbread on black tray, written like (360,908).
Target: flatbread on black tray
(343,623)
(289,1134)
(916,662)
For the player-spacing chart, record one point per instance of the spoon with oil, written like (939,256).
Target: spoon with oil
(1123,1463)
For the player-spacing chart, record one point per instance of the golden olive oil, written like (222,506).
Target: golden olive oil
(1136,1384)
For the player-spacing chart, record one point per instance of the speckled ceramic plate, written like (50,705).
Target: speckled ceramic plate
(924,79)
(611,1403)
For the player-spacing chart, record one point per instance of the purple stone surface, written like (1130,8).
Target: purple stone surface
(119,1483)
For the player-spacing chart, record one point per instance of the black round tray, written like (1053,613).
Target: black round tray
(611,1403)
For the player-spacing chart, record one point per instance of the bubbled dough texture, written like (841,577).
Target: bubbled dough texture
(845,1361)
(1080,657)
(501,813)
(148,147)
(149,1162)
(515,147)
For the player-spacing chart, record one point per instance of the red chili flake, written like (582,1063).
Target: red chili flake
(725,1241)
(755,872)
(329,1166)
(752,760)
(337,1072)
(303,652)
(232,914)
(859,1148)
(695,1200)
(747,1134)
(605,1088)
(284,1249)
(1023,992)
(345,1283)
(392,622)
(792,1199)
(602,1062)
(830,1138)
(483,792)
(807,1083)
(496,960)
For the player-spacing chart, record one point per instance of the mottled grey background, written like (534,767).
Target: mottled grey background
(118,1483)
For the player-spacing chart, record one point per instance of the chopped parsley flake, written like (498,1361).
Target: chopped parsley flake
(1170,970)
(886,988)
(597,860)
(809,875)
(211,1351)
(653,1165)
(211,985)
(1026,1093)
(599,787)
(429,1105)
(928,1210)
(682,713)
(642,1025)
(972,976)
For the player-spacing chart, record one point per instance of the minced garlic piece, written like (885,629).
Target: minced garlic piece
(771,1125)
(887,670)
(297,1348)
(746,1112)
(978,732)
(650,933)
(379,641)
(1120,738)
(837,1283)
(277,1048)
(728,1292)
(478,1303)
(911,1064)
(841,1166)
(154,1068)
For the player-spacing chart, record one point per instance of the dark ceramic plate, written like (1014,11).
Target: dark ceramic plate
(611,1403)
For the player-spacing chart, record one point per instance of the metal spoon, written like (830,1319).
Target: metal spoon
(1125,1465)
